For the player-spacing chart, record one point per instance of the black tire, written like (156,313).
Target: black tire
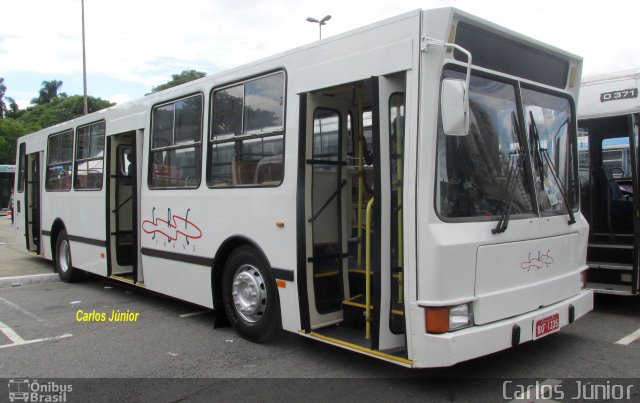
(247,274)
(62,261)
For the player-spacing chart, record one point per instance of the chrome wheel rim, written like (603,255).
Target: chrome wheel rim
(64,256)
(249,293)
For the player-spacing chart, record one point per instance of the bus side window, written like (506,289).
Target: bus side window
(247,133)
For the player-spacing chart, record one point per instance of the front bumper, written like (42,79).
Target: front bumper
(430,350)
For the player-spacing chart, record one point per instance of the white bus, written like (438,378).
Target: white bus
(380,190)
(7,179)
(609,113)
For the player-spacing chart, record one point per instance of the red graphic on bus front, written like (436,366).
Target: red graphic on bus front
(172,227)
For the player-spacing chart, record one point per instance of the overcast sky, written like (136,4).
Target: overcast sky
(133,45)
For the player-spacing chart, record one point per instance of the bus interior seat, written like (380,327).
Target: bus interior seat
(242,171)
(269,170)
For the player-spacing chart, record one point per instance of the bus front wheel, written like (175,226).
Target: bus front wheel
(63,264)
(249,295)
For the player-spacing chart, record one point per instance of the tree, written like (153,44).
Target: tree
(48,91)
(13,111)
(60,110)
(10,111)
(3,90)
(176,79)
(10,130)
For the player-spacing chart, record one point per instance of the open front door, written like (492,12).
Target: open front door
(326,209)
(634,143)
(352,171)
(610,203)
(388,127)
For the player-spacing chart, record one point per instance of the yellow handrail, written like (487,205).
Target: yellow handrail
(367,301)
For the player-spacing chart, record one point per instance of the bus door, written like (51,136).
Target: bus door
(325,209)
(388,126)
(353,213)
(634,143)
(32,203)
(122,197)
(610,204)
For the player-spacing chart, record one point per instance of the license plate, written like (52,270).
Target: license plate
(546,325)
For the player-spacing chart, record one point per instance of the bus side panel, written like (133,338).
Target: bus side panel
(188,282)
(88,257)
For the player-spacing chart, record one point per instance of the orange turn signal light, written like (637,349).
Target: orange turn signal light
(436,319)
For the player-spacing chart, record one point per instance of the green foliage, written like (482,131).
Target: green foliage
(10,130)
(48,91)
(3,105)
(59,110)
(50,108)
(176,79)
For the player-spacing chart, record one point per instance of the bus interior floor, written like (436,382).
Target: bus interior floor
(355,337)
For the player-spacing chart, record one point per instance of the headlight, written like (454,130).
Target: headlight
(460,316)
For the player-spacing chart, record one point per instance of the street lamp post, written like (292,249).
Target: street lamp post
(84,65)
(320,22)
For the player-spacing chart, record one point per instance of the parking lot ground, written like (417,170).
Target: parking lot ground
(14,260)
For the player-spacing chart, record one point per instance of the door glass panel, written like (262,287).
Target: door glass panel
(396,159)
(325,207)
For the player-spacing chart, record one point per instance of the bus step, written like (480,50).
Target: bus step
(609,246)
(354,312)
(610,266)
(325,274)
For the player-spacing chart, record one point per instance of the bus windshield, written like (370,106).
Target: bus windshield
(480,176)
(473,171)
(550,116)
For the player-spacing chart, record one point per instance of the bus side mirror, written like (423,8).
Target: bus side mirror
(454,106)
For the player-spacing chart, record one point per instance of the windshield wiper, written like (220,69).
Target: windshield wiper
(513,170)
(541,156)
(512,180)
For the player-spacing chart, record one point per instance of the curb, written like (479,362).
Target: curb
(29,280)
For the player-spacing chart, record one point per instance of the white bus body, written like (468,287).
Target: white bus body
(609,115)
(254,192)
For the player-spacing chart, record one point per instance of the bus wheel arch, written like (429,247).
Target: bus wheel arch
(56,228)
(61,253)
(239,258)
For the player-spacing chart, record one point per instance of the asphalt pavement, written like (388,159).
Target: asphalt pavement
(17,266)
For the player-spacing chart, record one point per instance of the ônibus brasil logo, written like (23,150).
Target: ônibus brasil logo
(24,390)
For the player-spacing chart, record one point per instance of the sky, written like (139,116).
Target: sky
(133,45)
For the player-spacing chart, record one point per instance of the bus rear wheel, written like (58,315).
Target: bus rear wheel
(62,261)
(249,295)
